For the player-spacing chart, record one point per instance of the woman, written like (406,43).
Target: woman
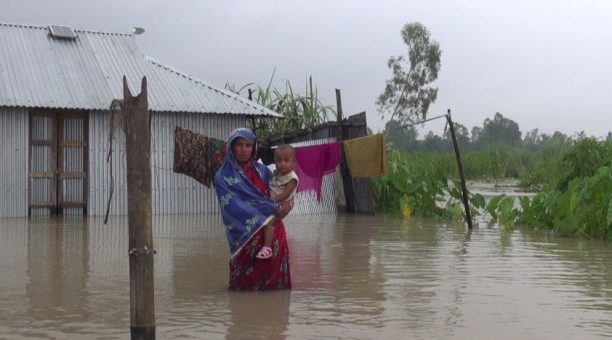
(242,188)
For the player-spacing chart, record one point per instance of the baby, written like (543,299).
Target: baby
(282,188)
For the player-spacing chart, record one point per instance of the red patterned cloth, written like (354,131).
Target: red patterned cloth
(250,273)
(196,155)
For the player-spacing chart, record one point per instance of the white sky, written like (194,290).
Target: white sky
(544,64)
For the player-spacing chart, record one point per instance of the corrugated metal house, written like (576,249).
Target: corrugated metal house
(56,87)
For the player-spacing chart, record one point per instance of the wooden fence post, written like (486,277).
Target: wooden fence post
(347,180)
(466,204)
(138,153)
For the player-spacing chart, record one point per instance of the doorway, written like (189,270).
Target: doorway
(58,158)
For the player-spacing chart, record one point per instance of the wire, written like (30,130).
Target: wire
(413,124)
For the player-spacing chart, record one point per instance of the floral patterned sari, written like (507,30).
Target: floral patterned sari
(246,208)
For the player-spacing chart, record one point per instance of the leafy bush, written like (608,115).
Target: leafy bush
(576,199)
(423,193)
(583,209)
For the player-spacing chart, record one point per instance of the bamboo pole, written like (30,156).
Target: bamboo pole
(138,153)
(464,191)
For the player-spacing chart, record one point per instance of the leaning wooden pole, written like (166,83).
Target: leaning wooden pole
(138,153)
(466,204)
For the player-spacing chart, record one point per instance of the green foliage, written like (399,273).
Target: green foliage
(399,137)
(299,111)
(584,209)
(576,199)
(416,184)
(498,131)
(563,159)
(407,95)
(423,193)
(582,160)
(492,164)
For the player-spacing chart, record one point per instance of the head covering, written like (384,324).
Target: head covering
(245,133)
(244,208)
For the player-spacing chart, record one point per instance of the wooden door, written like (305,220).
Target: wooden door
(58,163)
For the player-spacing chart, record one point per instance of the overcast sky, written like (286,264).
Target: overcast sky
(543,64)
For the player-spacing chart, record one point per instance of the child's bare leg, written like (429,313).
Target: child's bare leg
(266,251)
(268,235)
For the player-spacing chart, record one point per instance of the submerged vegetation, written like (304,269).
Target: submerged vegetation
(574,180)
(412,191)
(576,197)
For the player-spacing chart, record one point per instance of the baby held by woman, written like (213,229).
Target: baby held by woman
(282,188)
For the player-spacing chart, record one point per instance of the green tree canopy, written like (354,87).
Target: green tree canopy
(408,94)
(461,133)
(401,137)
(500,130)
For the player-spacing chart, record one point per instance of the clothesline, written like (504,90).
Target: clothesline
(366,157)
(415,123)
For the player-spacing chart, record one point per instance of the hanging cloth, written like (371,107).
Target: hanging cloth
(313,162)
(366,156)
(196,155)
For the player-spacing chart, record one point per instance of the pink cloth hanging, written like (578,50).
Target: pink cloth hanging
(313,162)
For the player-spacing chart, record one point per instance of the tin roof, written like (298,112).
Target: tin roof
(38,70)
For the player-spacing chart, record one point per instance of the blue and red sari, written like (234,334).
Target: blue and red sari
(246,207)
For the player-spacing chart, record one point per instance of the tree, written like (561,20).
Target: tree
(401,138)
(433,142)
(500,130)
(533,140)
(461,133)
(407,95)
(476,135)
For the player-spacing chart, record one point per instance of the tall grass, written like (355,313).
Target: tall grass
(298,111)
(576,197)
(492,164)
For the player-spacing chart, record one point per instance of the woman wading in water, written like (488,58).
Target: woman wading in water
(242,186)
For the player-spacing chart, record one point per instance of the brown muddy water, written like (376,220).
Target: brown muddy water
(360,277)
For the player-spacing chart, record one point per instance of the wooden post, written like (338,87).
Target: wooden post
(138,153)
(466,204)
(339,116)
(347,180)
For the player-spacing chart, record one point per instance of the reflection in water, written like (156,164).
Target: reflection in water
(354,277)
(58,269)
(261,315)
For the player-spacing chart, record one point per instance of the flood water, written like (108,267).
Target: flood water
(359,277)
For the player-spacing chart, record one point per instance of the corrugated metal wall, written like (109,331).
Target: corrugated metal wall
(13,162)
(172,193)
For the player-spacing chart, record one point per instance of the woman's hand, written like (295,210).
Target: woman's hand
(284,208)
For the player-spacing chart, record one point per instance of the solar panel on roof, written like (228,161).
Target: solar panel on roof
(62,32)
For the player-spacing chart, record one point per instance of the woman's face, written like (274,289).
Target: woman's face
(242,149)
